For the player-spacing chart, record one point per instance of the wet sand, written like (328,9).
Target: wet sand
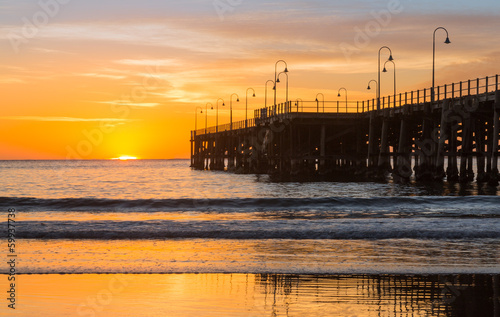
(253,295)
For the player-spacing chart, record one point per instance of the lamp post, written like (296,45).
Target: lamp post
(196,118)
(206,114)
(297,103)
(317,102)
(378,86)
(276,76)
(385,71)
(278,80)
(217,115)
(345,97)
(231,109)
(376,83)
(246,105)
(274,87)
(447,41)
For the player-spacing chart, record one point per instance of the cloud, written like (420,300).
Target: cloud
(130,103)
(64,119)
(149,62)
(48,51)
(96,75)
(12,81)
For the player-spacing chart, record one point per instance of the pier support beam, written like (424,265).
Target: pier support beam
(403,171)
(493,179)
(443,136)
(479,132)
(466,152)
(426,148)
(452,169)
(322,149)
(384,165)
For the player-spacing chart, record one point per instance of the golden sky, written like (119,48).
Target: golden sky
(101,79)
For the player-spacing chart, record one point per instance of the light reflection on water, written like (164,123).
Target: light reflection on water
(258,295)
(387,256)
(165,179)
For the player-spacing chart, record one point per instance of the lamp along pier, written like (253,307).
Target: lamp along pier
(453,133)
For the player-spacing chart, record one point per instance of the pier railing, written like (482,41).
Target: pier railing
(455,90)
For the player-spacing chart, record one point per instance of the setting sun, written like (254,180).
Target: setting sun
(125,158)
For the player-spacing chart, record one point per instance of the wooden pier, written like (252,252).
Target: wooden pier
(453,134)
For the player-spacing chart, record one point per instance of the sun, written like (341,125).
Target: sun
(125,158)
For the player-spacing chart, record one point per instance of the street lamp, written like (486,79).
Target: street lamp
(370,82)
(276,76)
(274,87)
(246,105)
(447,41)
(345,97)
(196,118)
(217,115)
(376,83)
(231,109)
(378,86)
(206,114)
(297,103)
(317,102)
(278,80)
(385,71)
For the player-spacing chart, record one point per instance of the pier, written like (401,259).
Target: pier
(452,133)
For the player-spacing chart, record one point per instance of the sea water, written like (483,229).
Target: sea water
(160,216)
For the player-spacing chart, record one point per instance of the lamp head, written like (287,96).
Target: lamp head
(238,100)
(384,70)
(368,87)
(338,95)
(316,100)
(390,58)
(447,40)
(286,70)
(223,104)
(253,95)
(278,80)
(274,87)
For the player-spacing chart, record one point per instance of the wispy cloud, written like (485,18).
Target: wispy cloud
(12,81)
(130,103)
(97,75)
(49,51)
(149,62)
(65,119)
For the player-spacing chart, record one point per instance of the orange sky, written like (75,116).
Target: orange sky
(97,81)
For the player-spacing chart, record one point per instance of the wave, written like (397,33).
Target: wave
(420,203)
(401,228)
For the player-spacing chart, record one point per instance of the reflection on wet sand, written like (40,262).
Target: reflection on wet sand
(389,295)
(257,295)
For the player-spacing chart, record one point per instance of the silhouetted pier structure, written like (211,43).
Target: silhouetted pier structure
(438,136)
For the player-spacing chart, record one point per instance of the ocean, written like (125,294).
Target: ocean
(87,223)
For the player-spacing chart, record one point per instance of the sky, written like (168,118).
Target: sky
(88,79)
